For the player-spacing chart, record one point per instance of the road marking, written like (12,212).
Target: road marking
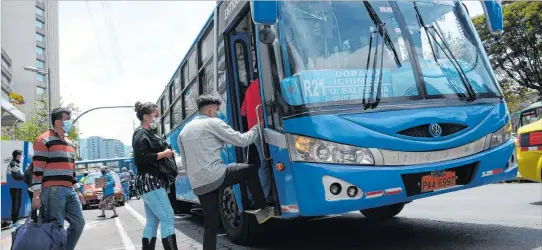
(449,198)
(141,219)
(128,245)
(91,224)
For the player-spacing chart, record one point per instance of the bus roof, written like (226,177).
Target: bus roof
(104,160)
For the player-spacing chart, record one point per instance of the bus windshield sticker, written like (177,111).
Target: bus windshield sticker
(319,86)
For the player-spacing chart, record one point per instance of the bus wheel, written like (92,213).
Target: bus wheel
(235,224)
(383,213)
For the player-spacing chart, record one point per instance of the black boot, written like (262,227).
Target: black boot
(149,244)
(170,242)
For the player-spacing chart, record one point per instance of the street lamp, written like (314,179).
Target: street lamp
(36,70)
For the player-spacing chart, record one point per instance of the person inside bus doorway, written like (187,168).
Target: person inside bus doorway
(248,110)
(200,145)
(15,170)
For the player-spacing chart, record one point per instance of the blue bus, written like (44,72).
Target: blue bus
(115,165)
(368,105)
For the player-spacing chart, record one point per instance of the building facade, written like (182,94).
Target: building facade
(30,38)
(95,147)
(111,148)
(11,115)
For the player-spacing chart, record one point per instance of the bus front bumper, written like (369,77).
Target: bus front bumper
(380,186)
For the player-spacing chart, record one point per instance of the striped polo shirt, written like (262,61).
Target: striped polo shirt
(54,161)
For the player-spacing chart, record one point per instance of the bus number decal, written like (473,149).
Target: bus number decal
(314,88)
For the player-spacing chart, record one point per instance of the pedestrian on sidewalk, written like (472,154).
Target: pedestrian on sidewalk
(125,179)
(54,181)
(108,201)
(149,149)
(15,177)
(28,180)
(200,146)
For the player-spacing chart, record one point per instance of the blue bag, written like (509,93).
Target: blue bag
(38,234)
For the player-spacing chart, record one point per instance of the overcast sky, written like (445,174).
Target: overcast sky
(118,52)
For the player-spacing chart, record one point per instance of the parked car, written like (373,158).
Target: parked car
(529,143)
(93,195)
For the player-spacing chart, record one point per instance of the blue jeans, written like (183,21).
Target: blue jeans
(264,172)
(158,210)
(126,188)
(61,203)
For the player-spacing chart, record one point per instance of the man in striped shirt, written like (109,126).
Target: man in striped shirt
(54,181)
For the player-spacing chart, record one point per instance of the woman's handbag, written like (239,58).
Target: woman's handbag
(167,167)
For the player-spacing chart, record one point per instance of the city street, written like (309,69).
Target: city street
(500,216)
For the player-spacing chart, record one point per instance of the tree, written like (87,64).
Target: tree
(513,94)
(516,54)
(38,122)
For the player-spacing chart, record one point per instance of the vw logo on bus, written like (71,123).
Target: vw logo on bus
(435,130)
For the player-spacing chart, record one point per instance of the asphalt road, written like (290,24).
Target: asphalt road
(500,216)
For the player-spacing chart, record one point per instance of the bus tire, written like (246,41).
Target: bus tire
(235,225)
(383,213)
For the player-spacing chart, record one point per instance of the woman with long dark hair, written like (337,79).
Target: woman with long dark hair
(149,149)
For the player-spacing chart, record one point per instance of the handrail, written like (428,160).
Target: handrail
(261,133)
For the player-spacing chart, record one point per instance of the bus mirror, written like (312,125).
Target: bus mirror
(493,14)
(264,12)
(266,35)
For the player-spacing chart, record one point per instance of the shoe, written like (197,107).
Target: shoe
(149,244)
(264,214)
(101,216)
(114,216)
(170,242)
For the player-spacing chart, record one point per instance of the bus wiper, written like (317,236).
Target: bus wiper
(447,51)
(384,32)
(380,31)
(370,103)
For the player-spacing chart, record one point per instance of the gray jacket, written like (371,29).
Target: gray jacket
(200,145)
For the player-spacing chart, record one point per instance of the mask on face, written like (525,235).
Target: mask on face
(103,172)
(155,122)
(67,126)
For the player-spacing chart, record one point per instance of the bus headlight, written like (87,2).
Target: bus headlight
(308,149)
(501,136)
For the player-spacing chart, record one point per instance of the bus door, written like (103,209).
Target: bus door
(240,61)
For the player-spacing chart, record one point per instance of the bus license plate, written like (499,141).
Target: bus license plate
(431,182)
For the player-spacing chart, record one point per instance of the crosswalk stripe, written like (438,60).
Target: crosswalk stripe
(128,245)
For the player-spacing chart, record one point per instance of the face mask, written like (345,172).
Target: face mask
(155,122)
(67,126)
(103,172)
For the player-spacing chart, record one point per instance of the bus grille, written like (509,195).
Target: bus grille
(423,130)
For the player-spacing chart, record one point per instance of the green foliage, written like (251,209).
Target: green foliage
(516,54)
(513,94)
(38,122)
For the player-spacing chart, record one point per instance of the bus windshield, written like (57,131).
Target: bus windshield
(328,45)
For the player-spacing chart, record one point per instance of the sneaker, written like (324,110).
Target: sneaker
(101,216)
(114,216)
(264,214)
